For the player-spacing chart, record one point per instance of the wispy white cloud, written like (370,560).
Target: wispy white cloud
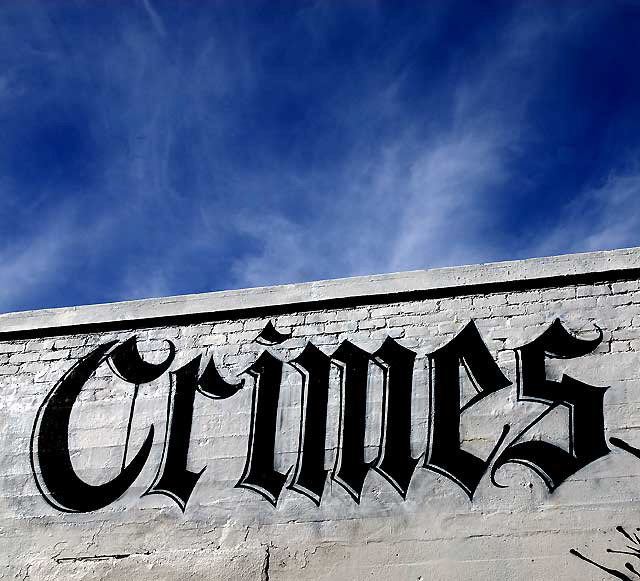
(603,217)
(26,267)
(206,179)
(410,207)
(411,199)
(154,17)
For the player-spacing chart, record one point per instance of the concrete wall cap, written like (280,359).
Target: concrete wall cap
(618,262)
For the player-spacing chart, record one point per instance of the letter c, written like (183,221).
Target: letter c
(50,459)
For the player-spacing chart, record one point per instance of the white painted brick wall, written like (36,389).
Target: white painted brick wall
(518,532)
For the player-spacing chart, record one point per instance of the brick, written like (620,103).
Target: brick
(69,342)
(218,339)
(559,294)
(233,327)
(371,324)
(52,355)
(18,358)
(592,290)
(11,347)
(625,286)
(8,369)
(254,325)
(289,320)
(524,297)
(322,317)
(404,321)
(490,301)
(352,315)
(340,326)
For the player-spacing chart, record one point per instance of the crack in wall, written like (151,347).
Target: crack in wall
(265,564)
(85,558)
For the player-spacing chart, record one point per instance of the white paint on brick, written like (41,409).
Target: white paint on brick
(518,532)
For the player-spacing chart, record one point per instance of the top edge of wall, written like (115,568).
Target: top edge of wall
(584,268)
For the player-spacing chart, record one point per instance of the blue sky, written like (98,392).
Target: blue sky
(166,147)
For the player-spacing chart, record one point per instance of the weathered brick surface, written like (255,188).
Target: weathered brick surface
(518,531)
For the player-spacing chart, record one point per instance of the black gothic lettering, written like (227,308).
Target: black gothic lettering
(585,403)
(270,336)
(444,454)
(212,385)
(350,469)
(395,462)
(309,474)
(259,473)
(174,479)
(50,458)
(65,490)
(125,360)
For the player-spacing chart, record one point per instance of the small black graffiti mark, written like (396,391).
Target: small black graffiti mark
(618,443)
(633,550)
